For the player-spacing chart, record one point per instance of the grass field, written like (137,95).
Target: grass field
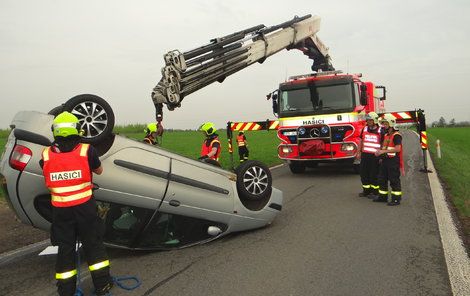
(262,144)
(454,166)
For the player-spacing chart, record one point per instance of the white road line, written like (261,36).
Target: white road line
(458,263)
(457,260)
(276,166)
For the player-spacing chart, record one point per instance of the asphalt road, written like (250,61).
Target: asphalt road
(326,241)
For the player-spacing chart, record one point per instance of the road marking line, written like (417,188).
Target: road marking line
(457,260)
(276,166)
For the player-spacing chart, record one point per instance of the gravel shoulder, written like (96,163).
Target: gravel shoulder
(13,233)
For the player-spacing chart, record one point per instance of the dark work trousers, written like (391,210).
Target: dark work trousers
(369,170)
(243,153)
(390,172)
(68,225)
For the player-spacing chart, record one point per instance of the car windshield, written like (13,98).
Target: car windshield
(317,99)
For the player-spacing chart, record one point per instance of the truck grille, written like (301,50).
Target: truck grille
(333,134)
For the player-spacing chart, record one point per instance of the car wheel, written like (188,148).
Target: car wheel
(254,180)
(56,111)
(95,115)
(297,167)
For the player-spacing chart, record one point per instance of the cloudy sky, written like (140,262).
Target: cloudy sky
(53,50)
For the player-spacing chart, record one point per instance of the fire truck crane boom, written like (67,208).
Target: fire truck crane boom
(187,72)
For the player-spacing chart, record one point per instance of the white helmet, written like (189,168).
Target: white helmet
(392,121)
(372,116)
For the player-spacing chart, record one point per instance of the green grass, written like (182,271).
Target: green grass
(3,139)
(454,166)
(262,144)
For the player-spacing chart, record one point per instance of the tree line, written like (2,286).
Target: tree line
(452,123)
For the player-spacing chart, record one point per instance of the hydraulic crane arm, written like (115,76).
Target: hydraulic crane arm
(185,73)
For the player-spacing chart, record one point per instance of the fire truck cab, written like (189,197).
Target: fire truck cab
(321,116)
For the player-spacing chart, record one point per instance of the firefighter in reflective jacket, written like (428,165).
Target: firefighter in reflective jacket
(370,143)
(151,134)
(67,168)
(392,163)
(242,146)
(211,146)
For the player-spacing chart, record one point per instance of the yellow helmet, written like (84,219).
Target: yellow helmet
(392,121)
(151,128)
(65,124)
(208,128)
(372,116)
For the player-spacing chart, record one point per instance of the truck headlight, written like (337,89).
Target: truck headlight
(348,147)
(286,149)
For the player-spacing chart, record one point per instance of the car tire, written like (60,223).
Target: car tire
(254,181)
(95,115)
(297,167)
(56,110)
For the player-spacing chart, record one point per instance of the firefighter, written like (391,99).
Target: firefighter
(151,134)
(392,163)
(242,146)
(211,146)
(370,143)
(68,166)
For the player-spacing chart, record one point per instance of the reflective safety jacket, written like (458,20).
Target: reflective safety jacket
(370,140)
(68,176)
(241,140)
(388,143)
(205,149)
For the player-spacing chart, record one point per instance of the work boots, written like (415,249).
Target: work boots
(365,192)
(380,198)
(104,291)
(394,202)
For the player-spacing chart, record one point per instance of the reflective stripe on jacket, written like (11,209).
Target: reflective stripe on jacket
(370,140)
(68,176)
(206,149)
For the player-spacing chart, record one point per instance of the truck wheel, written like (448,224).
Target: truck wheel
(356,168)
(297,167)
(95,115)
(254,181)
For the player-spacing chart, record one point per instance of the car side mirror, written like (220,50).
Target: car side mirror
(363,98)
(213,231)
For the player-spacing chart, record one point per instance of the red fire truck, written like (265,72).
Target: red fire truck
(321,116)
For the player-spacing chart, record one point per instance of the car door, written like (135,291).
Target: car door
(198,191)
(131,189)
(197,207)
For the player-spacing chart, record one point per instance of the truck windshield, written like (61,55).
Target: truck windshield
(317,99)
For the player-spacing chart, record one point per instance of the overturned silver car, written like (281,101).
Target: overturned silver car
(148,197)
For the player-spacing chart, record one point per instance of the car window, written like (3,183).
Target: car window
(168,231)
(122,223)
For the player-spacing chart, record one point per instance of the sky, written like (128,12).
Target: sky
(51,51)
